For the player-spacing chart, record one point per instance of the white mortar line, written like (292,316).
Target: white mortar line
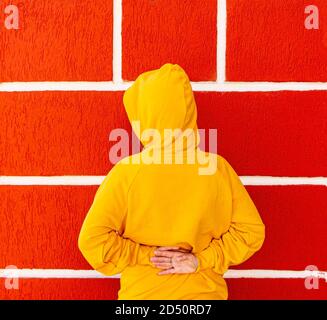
(51,180)
(65,86)
(258,86)
(221,40)
(117,42)
(274,274)
(91,274)
(96,180)
(282,181)
(196,86)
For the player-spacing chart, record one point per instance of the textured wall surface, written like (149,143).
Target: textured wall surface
(158,31)
(63,289)
(58,40)
(55,133)
(267,41)
(261,133)
(40,219)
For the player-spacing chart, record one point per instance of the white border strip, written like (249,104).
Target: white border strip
(120,85)
(221,40)
(96,180)
(91,274)
(282,181)
(274,274)
(51,180)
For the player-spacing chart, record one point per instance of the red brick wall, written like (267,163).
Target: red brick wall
(267,127)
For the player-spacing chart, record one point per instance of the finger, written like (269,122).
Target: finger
(168,254)
(168,271)
(163,265)
(168,248)
(160,259)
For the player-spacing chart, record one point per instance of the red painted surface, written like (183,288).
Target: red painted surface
(254,131)
(57,41)
(268,41)
(156,32)
(62,289)
(106,289)
(269,133)
(295,219)
(41,225)
(58,133)
(67,133)
(274,289)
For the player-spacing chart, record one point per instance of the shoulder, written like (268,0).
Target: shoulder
(123,172)
(220,161)
(223,166)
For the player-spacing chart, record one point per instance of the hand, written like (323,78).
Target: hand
(174,260)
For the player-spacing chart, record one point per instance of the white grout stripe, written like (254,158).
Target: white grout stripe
(282,181)
(221,40)
(52,273)
(258,86)
(274,274)
(120,85)
(65,85)
(117,41)
(91,274)
(51,180)
(96,180)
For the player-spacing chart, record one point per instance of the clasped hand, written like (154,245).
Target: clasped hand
(174,260)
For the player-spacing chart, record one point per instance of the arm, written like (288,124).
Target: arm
(99,240)
(245,235)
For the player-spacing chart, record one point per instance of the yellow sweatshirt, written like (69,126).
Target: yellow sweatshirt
(142,205)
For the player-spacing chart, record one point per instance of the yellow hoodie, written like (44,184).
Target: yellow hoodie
(142,205)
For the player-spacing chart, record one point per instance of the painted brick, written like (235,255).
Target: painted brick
(274,289)
(269,133)
(58,41)
(295,219)
(62,289)
(40,226)
(268,41)
(57,133)
(161,31)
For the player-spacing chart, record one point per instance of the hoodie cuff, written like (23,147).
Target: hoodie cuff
(205,259)
(144,254)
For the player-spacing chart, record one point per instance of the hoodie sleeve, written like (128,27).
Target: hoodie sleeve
(245,235)
(100,239)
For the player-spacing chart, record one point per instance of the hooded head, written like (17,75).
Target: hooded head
(161,99)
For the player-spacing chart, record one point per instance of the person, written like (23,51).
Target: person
(169,231)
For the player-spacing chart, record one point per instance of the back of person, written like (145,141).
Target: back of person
(170,194)
(172,205)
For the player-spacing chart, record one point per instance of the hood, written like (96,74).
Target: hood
(161,99)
